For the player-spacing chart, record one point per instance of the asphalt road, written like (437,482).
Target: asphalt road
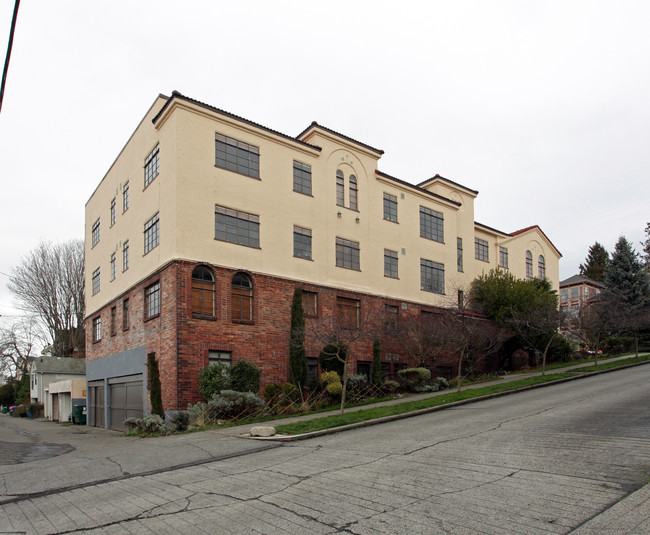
(543,461)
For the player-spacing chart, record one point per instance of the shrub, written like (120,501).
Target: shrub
(561,350)
(181,420)
(281,394)
(241,376)
(415,378)
(329,361)
(213,379)
(245,377)
(231,404)
(357,382)
(390,386)
(197,412)
(332,382)
(7,394)
(149,425)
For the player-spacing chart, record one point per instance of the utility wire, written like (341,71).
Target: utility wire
(9,47)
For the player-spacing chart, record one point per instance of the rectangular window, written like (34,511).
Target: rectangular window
(125,256)
(125,197)
(237,227)
(151,166)
(113,267)
(126,322)
(575,292)
(96,281)
(459,254)
(431,224)
(390,264)
(432,276)
(112,212)
(97,329)
(95,233)
(391,315)
(113,321)
(220,357)
(310,303)
(481,250)
(347,254)
(152,300)
(363,368)
(302,242)
(348,312)
(151,234)
(237,156)
(564,295)
(503,257)
(312,370)
(301,178)
(390,207)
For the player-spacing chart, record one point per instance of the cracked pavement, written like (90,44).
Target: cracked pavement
(545,461)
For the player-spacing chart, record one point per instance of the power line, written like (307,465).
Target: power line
(9,47)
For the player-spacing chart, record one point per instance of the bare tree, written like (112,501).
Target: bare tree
(18,342)
(49,284)
(591,325)
(419,337)
(341,334)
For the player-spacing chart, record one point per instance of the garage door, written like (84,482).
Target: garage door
(96,398)
(126,400)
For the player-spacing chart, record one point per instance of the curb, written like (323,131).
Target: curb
(419,412)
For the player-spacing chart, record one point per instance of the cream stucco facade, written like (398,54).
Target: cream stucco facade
(189,186)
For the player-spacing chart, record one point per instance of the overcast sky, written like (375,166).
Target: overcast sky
(543,107)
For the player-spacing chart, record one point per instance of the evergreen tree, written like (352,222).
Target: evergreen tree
(297,352)
(375,370)
(646,247)
(625,278)
(596,263)
(155,391)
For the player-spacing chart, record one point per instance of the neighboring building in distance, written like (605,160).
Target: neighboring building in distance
(46,370)
(575,293)
(206,223)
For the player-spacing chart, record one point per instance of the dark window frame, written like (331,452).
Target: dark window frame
(152,234)
(432,224)
(235,226)
(95,233)
(204,294)
(152,301)
(96,281)
(503,257)
(302,178)
(481,250)
(302,242)
(242,294)
(97,329)
(391,264)
(432,276)
(348,312)
(236,156)
(390,207)
(310,304)
(151,166)
(348,254)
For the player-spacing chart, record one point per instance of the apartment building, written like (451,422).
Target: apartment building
(206,222)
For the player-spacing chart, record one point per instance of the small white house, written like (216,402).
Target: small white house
(45,370)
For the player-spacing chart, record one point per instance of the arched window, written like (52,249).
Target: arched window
(541,268)
(242,297)
(529,264)
(203,292)
(353,192)
(340,188)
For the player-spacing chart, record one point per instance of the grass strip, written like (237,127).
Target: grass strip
(337,420)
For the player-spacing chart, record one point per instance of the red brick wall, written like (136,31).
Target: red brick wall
(182,342)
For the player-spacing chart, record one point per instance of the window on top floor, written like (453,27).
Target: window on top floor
(125,197)
(541,268)
(431,224)
(529,264)
(353,192)
(390,207)
(237,156)
(481,250)
(503,257)
(459,254)
(301,178)
(564,295)
(151,166)
(575,292)
(203,292)
(340,188)
(113,208)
